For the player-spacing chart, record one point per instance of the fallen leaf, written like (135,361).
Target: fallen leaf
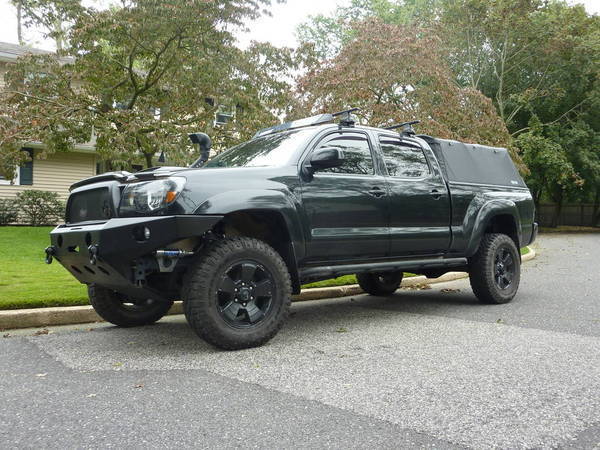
(41,374)
(91,395)
(499,321)
(6,335)
(117,364)
(447,290)
(137,386)
(40,332)
(341,330)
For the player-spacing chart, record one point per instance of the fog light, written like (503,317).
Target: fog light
(141,234)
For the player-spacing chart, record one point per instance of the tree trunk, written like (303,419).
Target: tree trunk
(20,23)
(557,211)
(596,213)
(59,36)
(537,196)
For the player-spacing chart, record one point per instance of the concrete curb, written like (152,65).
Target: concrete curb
(67,315)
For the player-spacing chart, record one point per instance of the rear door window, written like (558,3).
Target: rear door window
(403,160)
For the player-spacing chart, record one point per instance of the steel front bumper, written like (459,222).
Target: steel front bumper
(104,253)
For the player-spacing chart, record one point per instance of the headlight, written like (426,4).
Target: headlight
(150,196)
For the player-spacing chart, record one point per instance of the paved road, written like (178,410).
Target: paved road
(427,368)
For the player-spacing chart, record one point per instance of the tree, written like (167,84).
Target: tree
(329,33)
(141,82)
(532,58)
(398,73)
(52,16)
(550,171)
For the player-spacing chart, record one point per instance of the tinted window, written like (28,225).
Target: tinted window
(403,160)
(357,154)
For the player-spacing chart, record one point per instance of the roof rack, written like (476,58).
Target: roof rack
(407,128)
(346,121)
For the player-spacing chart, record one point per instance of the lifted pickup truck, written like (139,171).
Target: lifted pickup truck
(302,201)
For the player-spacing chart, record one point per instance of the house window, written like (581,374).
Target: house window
(23,174)
(26,169)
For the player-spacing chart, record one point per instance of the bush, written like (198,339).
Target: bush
(9,211)
(40,207)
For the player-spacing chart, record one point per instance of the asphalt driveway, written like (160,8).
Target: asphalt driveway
(425,368)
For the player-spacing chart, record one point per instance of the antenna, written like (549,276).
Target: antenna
(407,128)
(348,120)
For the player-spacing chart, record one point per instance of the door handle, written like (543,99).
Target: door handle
(436,194)
(376,192)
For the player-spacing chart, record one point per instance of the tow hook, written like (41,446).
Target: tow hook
(93,254)
(166,259)
(50,252)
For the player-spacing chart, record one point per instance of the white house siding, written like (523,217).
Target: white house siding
(56,173)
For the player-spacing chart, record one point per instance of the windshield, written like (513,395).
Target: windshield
(271,150)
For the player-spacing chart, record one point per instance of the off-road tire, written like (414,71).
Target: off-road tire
(482,270)
(202,293)
(113,307)
(380,284)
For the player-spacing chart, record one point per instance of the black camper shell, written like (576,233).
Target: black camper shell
(474,163)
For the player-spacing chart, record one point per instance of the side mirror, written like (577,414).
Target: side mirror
(205,144)
(326,158)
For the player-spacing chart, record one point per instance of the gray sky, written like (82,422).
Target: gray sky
(278,29)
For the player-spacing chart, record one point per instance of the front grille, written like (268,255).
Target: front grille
(93,204)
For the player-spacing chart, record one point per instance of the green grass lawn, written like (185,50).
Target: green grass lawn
(27,282)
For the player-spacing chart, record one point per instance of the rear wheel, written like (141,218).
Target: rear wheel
(495,270)
(238,294)
(123,311)
(380,284)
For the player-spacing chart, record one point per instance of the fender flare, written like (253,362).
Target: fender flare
(283,203)
(487,212)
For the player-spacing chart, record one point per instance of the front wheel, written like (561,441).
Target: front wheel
(380,284)
(495,270)
(123,311)
(238,294)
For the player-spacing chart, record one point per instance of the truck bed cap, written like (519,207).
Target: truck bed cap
(473,163)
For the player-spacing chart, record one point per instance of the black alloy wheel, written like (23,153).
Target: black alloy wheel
(380,284)
(504,267)
(245,294)
(495,270)
(237,294)
(124,311)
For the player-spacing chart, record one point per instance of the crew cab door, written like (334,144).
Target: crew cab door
(419,199)
(346,207)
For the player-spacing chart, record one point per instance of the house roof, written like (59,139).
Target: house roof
(10,52)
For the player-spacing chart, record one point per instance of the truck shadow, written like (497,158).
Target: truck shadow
(307,320)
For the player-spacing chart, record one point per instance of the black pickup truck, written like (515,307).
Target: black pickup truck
(236,236)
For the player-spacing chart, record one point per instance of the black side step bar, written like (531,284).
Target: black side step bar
(324,272)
